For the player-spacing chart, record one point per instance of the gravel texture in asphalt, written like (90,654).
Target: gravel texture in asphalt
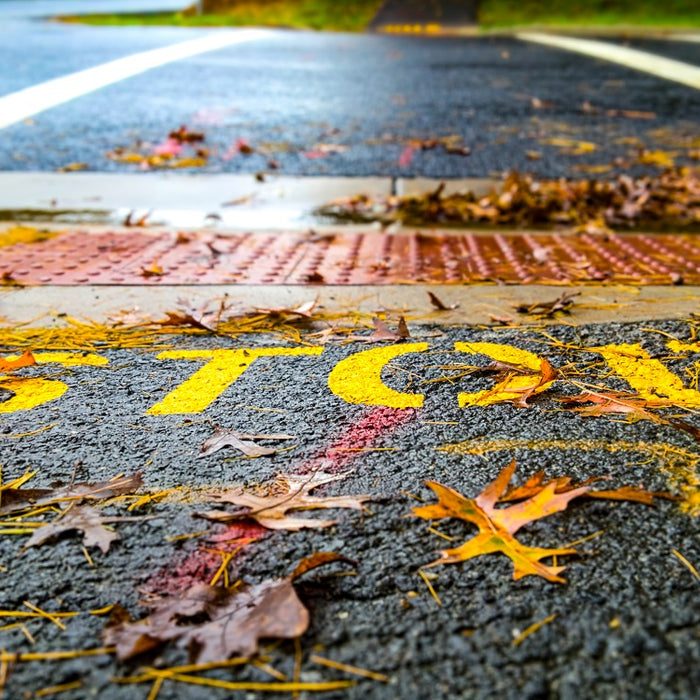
(626,623)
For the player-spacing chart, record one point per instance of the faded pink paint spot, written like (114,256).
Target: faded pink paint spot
(406,156)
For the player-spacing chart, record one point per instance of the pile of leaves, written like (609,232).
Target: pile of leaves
(669,199)
(181,149)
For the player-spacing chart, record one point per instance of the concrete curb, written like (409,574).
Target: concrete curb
(226,201)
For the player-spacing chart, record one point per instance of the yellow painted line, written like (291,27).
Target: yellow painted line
(208,383)
(30,392)
(661,67)
(358,378)
(508,389)
(647,376)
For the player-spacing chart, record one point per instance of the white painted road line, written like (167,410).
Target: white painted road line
(30,101)
(667,68)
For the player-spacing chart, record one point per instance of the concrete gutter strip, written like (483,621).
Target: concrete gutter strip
(234,201)
(478,304)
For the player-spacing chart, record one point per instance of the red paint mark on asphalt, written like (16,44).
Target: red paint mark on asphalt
(372,427)
(406,156)
(201,565)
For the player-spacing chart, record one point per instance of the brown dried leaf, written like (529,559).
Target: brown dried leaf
(635,407)
(241,441)
(549,308)
(382,332)
(14,500)
(271,511)
(84,518)
(305,310)
(218,623)
(438,303)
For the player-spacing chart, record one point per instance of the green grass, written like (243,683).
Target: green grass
(605,13)
(352,16)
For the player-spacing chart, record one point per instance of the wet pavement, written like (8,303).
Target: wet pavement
(624,625)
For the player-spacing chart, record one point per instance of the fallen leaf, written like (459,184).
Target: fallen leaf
(271,511)
(570,146)
(73,167)
(13,500)
(382,332)
(662,159)
(184,135)
(26,359)
(154,270)
(635,407)
(497,526)
(535,500)
(549,308)
(216,623)
(305,310)
(438,304)
(84,518)
(240,441)
(519,395)
(600,403)
(141,221)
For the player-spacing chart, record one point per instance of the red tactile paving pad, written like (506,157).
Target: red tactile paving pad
(153,258)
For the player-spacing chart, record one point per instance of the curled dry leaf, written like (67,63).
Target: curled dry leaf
(272,511)
(635,407)
(438,303)
(549,308)
(517,384)
(534,500)
(215,624)
(13,500)
(241,441)
(305,310)
(669,198)
(382,332)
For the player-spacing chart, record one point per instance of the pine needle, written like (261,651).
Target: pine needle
(281,687)
(53,655)
(55,689)
(349,669)
(426,580)
(33,432)
(692,569)
(531,629)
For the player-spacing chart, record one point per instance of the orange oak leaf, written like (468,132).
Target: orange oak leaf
(215,623)
(506,391)
(563,484)
(536,499)
(498,525)
(26,359)
(271,511)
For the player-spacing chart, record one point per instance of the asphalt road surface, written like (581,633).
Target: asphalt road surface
(625,624)
(341,104)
